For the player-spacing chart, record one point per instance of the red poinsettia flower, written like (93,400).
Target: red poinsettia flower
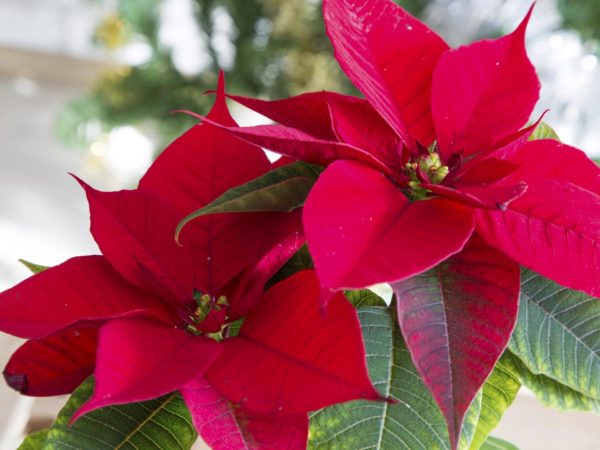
(146,317)
(432,169)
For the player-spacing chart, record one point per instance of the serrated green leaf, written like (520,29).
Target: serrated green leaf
(413,423)
(498,392)
(493,443)
(160,424)
(543,131)
(282,189)
(364,297)
(558,334)
(34,268)
(551,393)
(35,441)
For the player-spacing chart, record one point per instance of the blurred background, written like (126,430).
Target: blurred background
(87,86)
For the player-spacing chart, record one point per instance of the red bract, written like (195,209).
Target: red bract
(147,317)
(431,162)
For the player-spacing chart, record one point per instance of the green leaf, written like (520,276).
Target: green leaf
(414,422)
(557,334)
(364,297)
(498,392)
(282,189)
(34,268)
(159,424)
(35,441)
(551,393)
(543,131)
(493,443)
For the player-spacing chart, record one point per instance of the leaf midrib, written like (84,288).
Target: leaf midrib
(137,429)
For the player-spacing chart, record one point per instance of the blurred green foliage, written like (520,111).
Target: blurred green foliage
(280,50)
(582,16)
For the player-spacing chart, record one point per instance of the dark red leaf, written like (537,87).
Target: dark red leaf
(457,320)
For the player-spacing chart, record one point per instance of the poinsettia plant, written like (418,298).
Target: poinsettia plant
(232,295)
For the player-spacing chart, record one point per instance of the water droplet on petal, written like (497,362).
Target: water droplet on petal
(409,27)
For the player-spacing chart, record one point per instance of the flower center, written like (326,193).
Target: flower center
(426,169)
(209,316)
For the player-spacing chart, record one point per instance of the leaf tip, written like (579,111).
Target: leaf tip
(17,381)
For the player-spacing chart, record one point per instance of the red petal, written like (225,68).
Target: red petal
(494,164)
(204,162)
(552,229)
(54,365)
(140,360)
(331,116)
(222,249)
(457,320)
(197,168)
(483,92)
(493,196)
(357,123)
(299,145)
(548,159)
(290,359)
(389,55)
(80,289)
(220,112)
(362,230)
(224,426)
(145,255)
(307,112)
(287,239)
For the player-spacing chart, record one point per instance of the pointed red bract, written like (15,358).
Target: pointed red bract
(390,56)
(85,288)
(140,360)
(548,159)
(552,229)
(288,357)
(307,112)
(457,320)
(224,426)
(483,92)
(357,123)
(204,162)
(54,365)
(298,144)
(332,117)
(362,230)
(197,168)
(134,230)
(494,196)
